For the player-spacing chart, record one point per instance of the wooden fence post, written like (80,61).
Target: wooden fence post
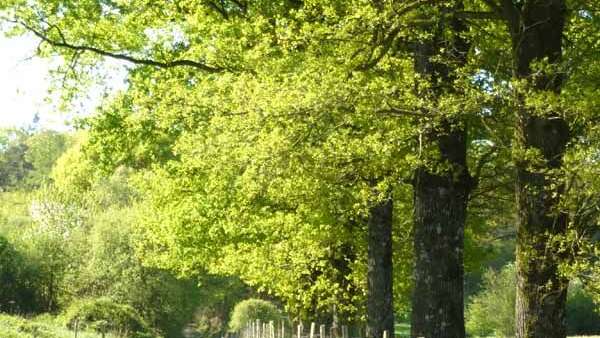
(282,329)
(322,331)
(344,331)
(300,329)
(313,327)
(385,334)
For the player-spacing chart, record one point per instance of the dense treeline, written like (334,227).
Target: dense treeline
(67,236)
(354,160)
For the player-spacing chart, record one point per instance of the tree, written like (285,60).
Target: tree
(536,29)
(442,184)
(245,21)
(292,123)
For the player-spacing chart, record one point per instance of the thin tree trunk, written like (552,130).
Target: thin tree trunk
(380,309)
(541,291)
(441,191)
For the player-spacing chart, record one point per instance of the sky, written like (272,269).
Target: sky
(24,85)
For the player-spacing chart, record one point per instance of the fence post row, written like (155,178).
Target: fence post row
(256,329)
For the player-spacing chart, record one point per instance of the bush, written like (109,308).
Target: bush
(492,311)
(104,315)
(250,310)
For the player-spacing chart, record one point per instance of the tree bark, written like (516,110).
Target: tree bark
(380,307)
(541,291)
(440,208)
(441,191)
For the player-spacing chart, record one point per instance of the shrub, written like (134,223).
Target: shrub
(104,315)
(252,309)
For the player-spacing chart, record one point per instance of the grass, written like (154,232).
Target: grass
(402,330)
(39,327)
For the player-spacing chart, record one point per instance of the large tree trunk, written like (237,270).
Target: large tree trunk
(541,291)
(440,205)
(380,307)
(441,192)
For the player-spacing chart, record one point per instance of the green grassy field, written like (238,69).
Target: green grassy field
(40,327)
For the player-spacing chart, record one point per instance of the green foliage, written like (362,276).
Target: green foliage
(44,326)
(250,310)
(27,157)
(105,315)
(11,263)
(13,164)
(74,241)
(14,212)
(22,281)
(40,327)
(217,297)
(492,311)
(262,155)
(583,316)
(15,327)
(43,150)
(72,171)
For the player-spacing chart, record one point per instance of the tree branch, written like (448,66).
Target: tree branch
(140,61)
